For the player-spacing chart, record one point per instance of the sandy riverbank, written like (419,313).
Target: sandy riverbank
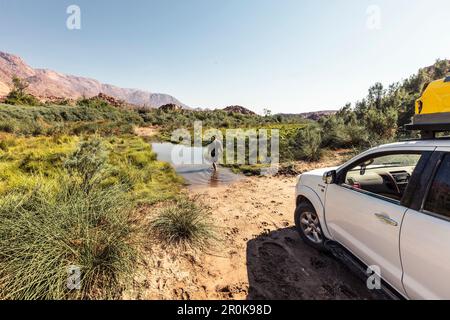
(260,256)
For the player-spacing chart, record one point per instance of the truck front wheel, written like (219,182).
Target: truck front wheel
(308,226)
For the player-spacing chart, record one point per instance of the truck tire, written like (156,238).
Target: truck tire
(308,226)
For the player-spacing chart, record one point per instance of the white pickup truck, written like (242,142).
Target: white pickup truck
(390,207)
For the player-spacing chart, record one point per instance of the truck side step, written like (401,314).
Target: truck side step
(359,268)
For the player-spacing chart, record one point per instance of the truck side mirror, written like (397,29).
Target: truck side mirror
(329,177)
(362,170)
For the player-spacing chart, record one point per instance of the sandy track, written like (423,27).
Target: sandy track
(260,256)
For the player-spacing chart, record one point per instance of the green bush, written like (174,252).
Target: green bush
(309,141)
(381,125)
(50,119)
(357,136)
(94,102)
(6,143)
(18,96)
(88,164)
(14,98)
(7,126)
(334,133)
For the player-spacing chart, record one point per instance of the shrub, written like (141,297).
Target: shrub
(36,129)
(45,232)
(309,142)
(184,223)
(7,126)
(104,128)
(87,164)
(94,102)
(141,159)
(6,143)
(381,125)
(50,119)
(334,133)
(18,96)
(357,136)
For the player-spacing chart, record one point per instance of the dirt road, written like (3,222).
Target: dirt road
(260,256)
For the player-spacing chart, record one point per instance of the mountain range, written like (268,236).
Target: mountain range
(49,85)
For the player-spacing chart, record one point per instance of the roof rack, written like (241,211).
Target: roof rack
(428,131)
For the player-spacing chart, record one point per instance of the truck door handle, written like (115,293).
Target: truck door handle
(386,219)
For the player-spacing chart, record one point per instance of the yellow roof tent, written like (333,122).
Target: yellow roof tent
(433,108)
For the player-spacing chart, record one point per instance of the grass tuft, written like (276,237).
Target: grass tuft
(44,232)
(184,223)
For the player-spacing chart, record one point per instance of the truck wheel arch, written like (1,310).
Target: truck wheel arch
(307,194)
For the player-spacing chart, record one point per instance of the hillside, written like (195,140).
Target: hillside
(48,85)
(314,115)
(380,117)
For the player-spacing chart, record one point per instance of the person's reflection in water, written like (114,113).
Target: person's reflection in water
(215,178)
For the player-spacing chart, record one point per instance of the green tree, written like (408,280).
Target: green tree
(18,95)
(381,115)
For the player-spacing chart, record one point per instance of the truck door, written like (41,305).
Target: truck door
(364,211)
(425,238)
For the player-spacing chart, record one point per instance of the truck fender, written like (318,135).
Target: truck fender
(304,192)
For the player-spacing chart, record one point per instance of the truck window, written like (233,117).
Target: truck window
(438,199)
(384,175)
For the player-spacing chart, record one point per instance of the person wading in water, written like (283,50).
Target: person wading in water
(215,150)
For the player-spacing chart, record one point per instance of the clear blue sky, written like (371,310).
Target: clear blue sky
(285,55)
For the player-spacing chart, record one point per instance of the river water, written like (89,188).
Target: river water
(195,173)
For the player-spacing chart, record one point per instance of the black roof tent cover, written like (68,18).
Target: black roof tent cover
(435,127)
(430,124)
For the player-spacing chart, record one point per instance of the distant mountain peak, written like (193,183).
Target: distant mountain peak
(49,84)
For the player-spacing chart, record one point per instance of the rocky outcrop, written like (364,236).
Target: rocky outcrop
(48,84)
(170,107)
(239,109)
(111,100)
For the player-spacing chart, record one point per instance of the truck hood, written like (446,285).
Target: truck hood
(318,172)
(313,180)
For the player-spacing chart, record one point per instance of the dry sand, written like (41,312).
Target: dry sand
(260,256)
